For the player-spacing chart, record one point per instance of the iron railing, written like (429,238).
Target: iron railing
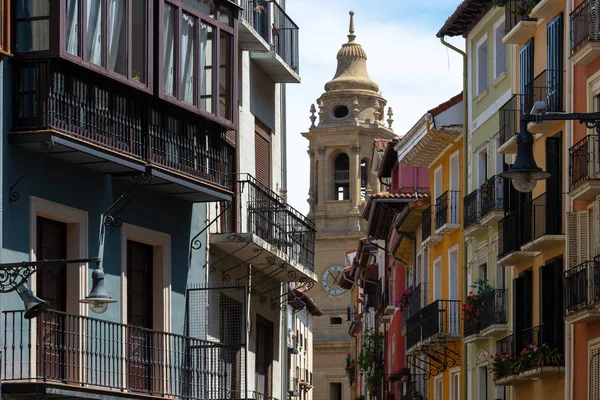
(509,235)
(285,37)
(426,223)
(416,388)
(509,119)
(492,309)
(442,317)
(447,209)
(257,14)
(515,12)
(51,95)
(305,376)
(471,326)
(269,217)
(541,216)
(415,303)
(94,353)
(546,87)
(471,208)
(341,176)
(492,195)
(260,396)
(584,24)
(584,163)
(582,286)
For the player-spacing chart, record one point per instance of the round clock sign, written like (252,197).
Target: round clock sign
(331,280)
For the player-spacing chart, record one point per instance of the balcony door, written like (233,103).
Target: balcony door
(523,306)
(139,316)
(554,184)
(52,287)
(264,356)
(551,304)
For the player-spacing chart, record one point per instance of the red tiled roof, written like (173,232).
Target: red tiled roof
(467,14)
(446,105)
(381,144)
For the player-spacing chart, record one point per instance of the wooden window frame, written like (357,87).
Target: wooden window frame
(5,30)
(218,27)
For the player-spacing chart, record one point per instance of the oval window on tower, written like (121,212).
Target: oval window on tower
(340,111)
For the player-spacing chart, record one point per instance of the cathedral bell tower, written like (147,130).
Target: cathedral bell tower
(350,115)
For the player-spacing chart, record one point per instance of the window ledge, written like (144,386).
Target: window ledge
(480,96)
(499,79)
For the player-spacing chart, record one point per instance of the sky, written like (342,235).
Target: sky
(414,71)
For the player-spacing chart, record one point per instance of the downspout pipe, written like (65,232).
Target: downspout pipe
(464,286)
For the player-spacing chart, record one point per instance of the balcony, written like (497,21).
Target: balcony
(548,86)
(447,212)
(585,33)
(518,24)
(514,345)
(546,8)
(436,320)
(492,201)
(584,169)
(272,26)
(270,232)
(471,213)
(260,396)
(70,356)
(428,239)
(293,389)
(509,241)
(306,378)
(493,319)
(416,388)
(542,228)
(509,118)
(416,301)
(387,306)
(582,292)
(73,115)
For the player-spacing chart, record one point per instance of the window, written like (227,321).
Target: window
(197,56)
(439,389)
(5,26)
(500,48)
(437,279)
(482,66)
(262,154)
(554,63)
(482,173)
(364,178)
(33,25)
(455,386)
(264,356)
(438,182)
(482,381)
(335,321)
(526,74)
(341,177)
(335,391)
(594,372)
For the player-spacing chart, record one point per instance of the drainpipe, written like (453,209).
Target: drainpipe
(464,288)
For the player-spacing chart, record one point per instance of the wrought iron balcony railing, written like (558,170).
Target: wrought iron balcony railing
(305,376)
(415,303)
(492,195)
(269,217)
(257,14)
(509,235)
(93,353)
(582,286)
(509,119)
(493,311)
(260,396)
(471,208)
(442,317)
(547,87)
(541,216)
(447,208)
(537,335)
(515,12)
(584,24)
(584,161)
(55,96)
(426,223)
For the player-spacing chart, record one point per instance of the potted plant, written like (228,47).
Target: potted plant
(400,375)
(472,304)
(350,368)
(404,297)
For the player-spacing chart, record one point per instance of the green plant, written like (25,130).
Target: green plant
(399,374)
(371,352)
(502,365)
(524,9)
(350,368)
(373,379)
(534,356)
(472,304)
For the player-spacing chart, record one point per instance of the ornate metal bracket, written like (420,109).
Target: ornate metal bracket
(13,195)
(196,243)
(277,302)
(110,218)
(13,275)
(212,267)
(257,251)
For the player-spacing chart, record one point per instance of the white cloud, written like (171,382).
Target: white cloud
(415,72)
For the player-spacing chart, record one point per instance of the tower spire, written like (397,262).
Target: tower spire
(351,36)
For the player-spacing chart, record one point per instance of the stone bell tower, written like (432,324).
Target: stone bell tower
(350,115)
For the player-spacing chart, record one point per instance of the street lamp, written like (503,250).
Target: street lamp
(525,173)
(13,277)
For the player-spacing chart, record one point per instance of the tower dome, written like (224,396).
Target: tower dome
(351,73)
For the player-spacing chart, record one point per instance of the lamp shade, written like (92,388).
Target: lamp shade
(34,306)
(98,299)
(525,173)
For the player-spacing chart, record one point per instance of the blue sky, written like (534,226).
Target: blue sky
(414,71)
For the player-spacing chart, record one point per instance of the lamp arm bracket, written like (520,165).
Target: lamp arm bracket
(110,218)
(13,275)
(47,147)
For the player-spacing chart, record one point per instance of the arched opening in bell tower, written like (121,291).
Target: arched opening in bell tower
(341,177)
(364,177)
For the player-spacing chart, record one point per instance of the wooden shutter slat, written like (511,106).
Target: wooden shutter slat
(262,153)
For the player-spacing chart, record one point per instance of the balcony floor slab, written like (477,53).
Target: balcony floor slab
(474,230)
(530,375)
(586,190)
(509,147)
(274,66)
(257,252)
(520,32)
(543,243)
(515,258)
(584,316)
(491,219)
(249,39)
(544,128)
(432,240)
(493,330)
(32,389)
(586,54)
(447,229)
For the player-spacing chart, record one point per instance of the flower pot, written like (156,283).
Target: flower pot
(404,379)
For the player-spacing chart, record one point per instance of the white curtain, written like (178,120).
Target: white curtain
(169,44)
(116,21)
(188,45)
(72,27)
(206,51)
(94,31)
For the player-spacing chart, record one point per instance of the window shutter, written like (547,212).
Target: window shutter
(594,362)
(526,75)
(262,153)
(596,227)
(572,255)
(554,63)
(583,238)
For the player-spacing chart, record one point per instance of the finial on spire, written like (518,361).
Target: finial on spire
(351,36)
